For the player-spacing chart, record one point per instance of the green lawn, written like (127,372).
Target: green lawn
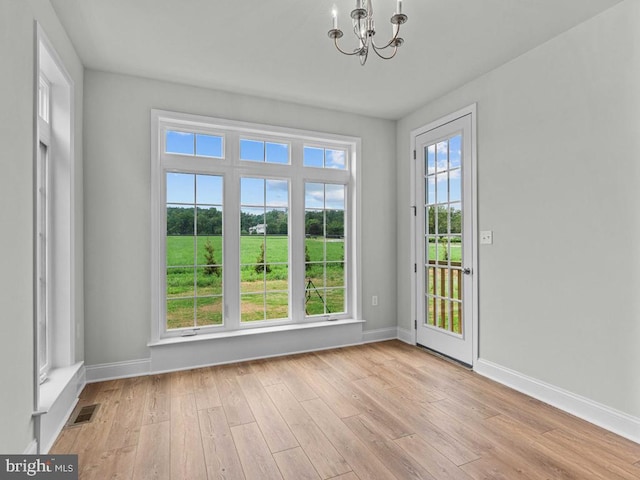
(263,283)
(455,252)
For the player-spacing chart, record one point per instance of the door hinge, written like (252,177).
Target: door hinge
(415,268)
(414,154)
(415,324)
(415,211)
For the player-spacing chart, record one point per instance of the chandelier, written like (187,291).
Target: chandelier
(364,30)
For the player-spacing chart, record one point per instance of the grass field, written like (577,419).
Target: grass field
(264,283)
(455,252)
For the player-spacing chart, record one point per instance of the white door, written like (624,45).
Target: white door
(445,239)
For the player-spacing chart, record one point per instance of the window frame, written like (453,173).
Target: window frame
(43,231)
(231,168)
(54,121)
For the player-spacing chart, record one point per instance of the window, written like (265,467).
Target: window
(324,158)
(259,151)
(188,143)
(194,250)
(54,324)
(44,88)
(43,219)
(264,225)
(324,248)
(253,226)
(42,259)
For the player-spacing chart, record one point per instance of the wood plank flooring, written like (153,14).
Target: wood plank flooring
(377,411)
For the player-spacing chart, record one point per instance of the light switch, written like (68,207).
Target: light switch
(486,237)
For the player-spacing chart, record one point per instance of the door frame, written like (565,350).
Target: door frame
(472,111)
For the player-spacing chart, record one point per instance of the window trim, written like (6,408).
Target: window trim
(58,133)
(233,168)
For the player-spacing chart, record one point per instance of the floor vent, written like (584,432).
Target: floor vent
(85,415)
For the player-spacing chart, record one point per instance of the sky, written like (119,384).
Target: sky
(444,164)
(184,188)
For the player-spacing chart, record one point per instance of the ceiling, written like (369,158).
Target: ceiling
(279,48)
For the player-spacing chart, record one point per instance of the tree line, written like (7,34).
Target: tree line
(180,221)
(455,219)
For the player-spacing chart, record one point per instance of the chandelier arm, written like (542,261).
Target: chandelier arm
(395,50)
(389,43)
(335,42)
(373,43)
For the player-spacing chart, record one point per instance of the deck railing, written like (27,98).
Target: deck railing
(443,274)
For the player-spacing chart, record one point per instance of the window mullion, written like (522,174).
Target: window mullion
(231,231)
(296,237)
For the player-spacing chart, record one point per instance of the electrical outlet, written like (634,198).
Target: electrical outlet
(486,237)
(374,300)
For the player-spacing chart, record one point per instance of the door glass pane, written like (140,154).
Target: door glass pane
(430,185)
(455,187)
(442,157)
(431,159)
(455,218)
(442,220)
(430,313)
(442,189)
(443,234)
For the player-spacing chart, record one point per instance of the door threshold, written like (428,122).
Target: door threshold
(446,357)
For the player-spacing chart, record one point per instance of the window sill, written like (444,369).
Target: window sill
(252,331)
(57,381)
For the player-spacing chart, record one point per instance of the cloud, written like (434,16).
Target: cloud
(334,159)
(328,196)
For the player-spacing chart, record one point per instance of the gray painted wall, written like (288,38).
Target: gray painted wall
(16,208)
(558,177)
(117,204)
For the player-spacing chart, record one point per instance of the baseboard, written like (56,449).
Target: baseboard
(406,336)
(379,335)
(206,352)
(606,417)
(111,371)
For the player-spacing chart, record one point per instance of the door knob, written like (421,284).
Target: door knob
(466,271)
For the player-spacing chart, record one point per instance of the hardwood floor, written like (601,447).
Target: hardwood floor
(376,411)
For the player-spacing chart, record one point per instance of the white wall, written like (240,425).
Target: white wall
(558,176)
(117,203)
(17,140)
